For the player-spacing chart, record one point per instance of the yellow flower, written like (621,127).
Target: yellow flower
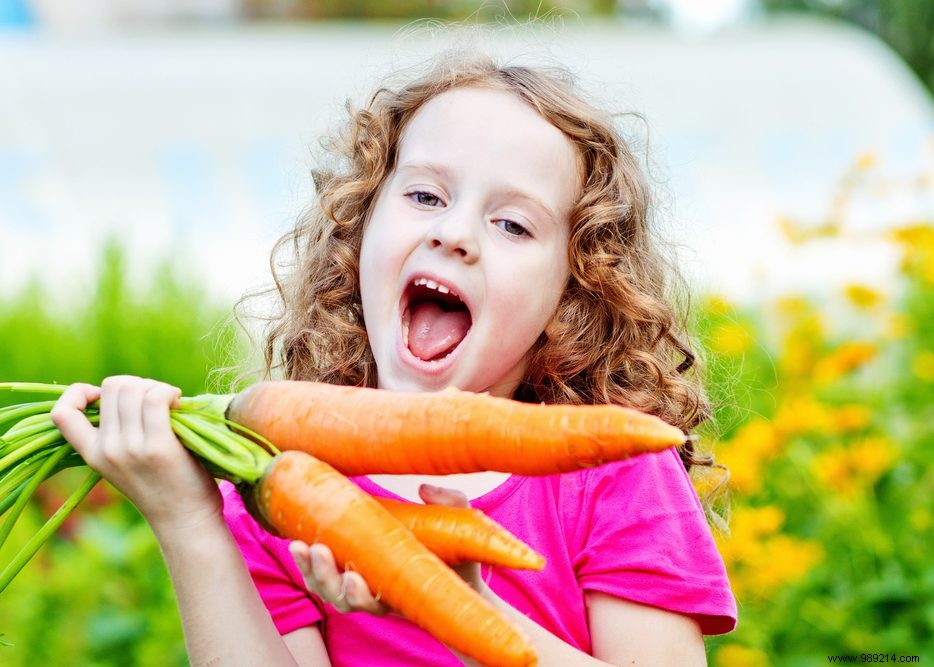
(917,243)
(745,468)
(801,414)
(747,526)
(795,307)
(833,469)
(866,161)
(923,365)
(758,435)
(754,522)
(716,304)
(798,234)
(872,457)
(792,232)
(785,560)
(731,339)
(849,418)
(736,655)
(920,519)
(862,296)
(915,235)
(844,360)
(708,480)
(848,470)
(898,326)
(758,558)
(744,454)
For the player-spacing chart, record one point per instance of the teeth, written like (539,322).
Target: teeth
(431,284)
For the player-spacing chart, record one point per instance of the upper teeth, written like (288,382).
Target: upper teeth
(431,284)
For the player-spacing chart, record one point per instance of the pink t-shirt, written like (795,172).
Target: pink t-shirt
(634,529)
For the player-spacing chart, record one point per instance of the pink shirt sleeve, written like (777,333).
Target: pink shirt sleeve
(272,567)
(642,535)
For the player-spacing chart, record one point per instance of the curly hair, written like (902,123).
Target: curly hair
(615,337)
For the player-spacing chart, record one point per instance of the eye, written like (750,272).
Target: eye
(424,198)
(512,228)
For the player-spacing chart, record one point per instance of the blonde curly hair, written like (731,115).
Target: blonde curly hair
(615,337)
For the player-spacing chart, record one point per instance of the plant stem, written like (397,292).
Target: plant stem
(47,530)
(26,493)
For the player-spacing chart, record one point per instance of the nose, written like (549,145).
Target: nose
(455,233)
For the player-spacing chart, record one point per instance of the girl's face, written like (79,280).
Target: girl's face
(465,255)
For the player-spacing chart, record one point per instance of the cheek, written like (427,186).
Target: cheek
(535,291)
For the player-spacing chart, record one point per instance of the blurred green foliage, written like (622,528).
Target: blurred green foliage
(170,330)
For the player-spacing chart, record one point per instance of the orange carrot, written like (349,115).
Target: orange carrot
(360,431)
(460,534)
(306,499)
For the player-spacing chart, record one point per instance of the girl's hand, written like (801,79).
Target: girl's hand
(348,591)
(135,449)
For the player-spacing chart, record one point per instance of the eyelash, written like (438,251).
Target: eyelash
(416,195)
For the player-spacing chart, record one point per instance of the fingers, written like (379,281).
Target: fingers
(346,591)
(128,396)
(157,399)
(134,419)
(68,415)
(436,495)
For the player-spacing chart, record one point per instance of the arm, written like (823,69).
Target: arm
(223,618)
(624,632)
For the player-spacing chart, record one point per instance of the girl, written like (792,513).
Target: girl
(483,228)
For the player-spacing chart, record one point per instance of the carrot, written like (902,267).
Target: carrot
(306,499)
(460,534)
(360,431)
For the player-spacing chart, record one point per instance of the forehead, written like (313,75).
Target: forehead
(493,132)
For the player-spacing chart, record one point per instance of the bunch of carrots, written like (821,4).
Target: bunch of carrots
(297,488)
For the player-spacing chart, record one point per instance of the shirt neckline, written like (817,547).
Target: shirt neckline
(485,502)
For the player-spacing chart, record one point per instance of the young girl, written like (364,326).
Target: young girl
(484,228)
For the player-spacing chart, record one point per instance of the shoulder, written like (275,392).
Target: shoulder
(640,486)
(643,536)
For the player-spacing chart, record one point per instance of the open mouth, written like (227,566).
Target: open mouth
(434,320)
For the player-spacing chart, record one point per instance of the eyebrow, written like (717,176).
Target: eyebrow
(511,193)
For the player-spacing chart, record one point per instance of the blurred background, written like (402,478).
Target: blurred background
(152,152)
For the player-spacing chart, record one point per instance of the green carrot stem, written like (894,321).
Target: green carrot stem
(42,388)
(27,428)
(47,530)
(21,472)
(12,478)
(13,414)
(7,500)
(48,466)
(236,468)
(216,432)
(33,446)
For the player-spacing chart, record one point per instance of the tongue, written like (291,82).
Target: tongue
(433,332)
